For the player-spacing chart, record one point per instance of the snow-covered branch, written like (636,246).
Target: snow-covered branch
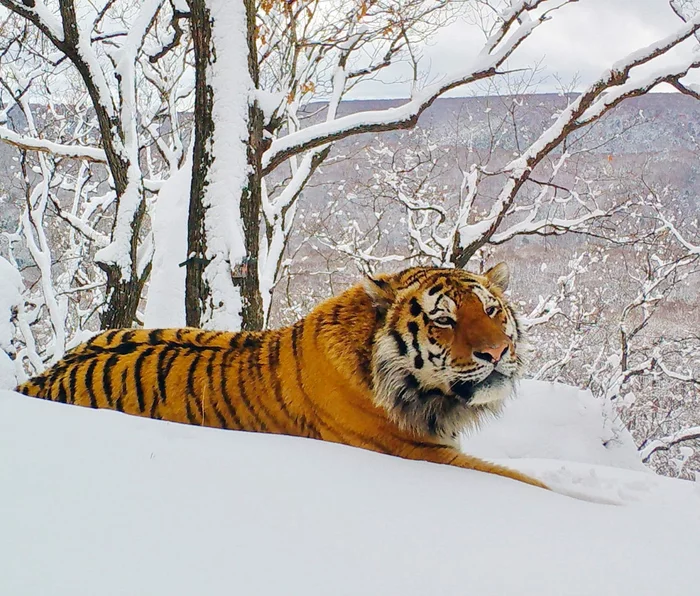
(665,443)
(495,52)
(26,143)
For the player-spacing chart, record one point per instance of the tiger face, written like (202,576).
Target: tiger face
(449,349)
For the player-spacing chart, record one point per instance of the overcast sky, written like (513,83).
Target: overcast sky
(584,38)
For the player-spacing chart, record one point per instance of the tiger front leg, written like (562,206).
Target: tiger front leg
(442,454)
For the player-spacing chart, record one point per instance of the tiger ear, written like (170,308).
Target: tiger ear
(381,291)
(499,276)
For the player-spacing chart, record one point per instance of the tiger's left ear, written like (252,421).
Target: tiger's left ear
(381,291)
(499,276)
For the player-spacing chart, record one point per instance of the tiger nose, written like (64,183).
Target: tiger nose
(492,354)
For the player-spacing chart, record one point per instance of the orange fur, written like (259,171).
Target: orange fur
(347,373)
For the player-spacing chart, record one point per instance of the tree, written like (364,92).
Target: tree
(109,48)
(73,215)
(260,70)
(297,34)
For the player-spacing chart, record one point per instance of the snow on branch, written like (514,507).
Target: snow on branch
(93,154)
(665,443)
(605,93)
(40,15)
(84,228)
(485,65)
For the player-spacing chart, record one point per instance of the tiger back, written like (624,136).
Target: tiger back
(399,364)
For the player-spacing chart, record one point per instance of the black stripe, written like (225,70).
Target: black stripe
(190,381)
(418,275)
(273,362)
(190,415)
(125,348)
(72,384)
(423,445)
(176,351)
(155,336)
(415,308)
(89,382)
(400,343)
(335,313)
(210,386)
(432,422)
(255,369)
(244,398)
(107,377)
(251,341)
(161,371)
(138,381)
(224,388)
(298,350)
(219,415)
(127,336)
(108,337)
(61,397)
(118,405)
(413,330)
(297,329)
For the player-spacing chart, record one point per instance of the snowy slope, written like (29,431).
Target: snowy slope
(100,503)
(554,421)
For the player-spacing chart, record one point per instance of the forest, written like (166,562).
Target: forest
(211,164)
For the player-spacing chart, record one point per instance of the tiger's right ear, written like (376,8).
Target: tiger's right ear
(381,292)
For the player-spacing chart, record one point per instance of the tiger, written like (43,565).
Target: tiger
(398,364)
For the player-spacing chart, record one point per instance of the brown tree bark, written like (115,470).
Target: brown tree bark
(196,288)
(244,275)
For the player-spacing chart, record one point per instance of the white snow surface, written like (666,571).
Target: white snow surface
(11,287)
(98,502)
(549,421)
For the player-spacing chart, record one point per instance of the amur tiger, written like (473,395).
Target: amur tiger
(399,364)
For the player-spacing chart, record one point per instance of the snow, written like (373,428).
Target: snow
(165,304)
(11,287)
(97,502)
(78,151)
(490,58)
(233,92)
(551,421)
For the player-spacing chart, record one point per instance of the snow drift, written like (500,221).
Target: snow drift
(97,502)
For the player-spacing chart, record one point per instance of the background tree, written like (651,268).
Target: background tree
(110,48)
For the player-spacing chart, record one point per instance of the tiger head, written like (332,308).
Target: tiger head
(449,349)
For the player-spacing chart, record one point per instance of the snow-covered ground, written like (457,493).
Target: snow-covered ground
(100,503)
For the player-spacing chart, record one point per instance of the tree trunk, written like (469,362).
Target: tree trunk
(196,287)
(251,200)
(123,299)
(204,304)
(249,281)
(124,295)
